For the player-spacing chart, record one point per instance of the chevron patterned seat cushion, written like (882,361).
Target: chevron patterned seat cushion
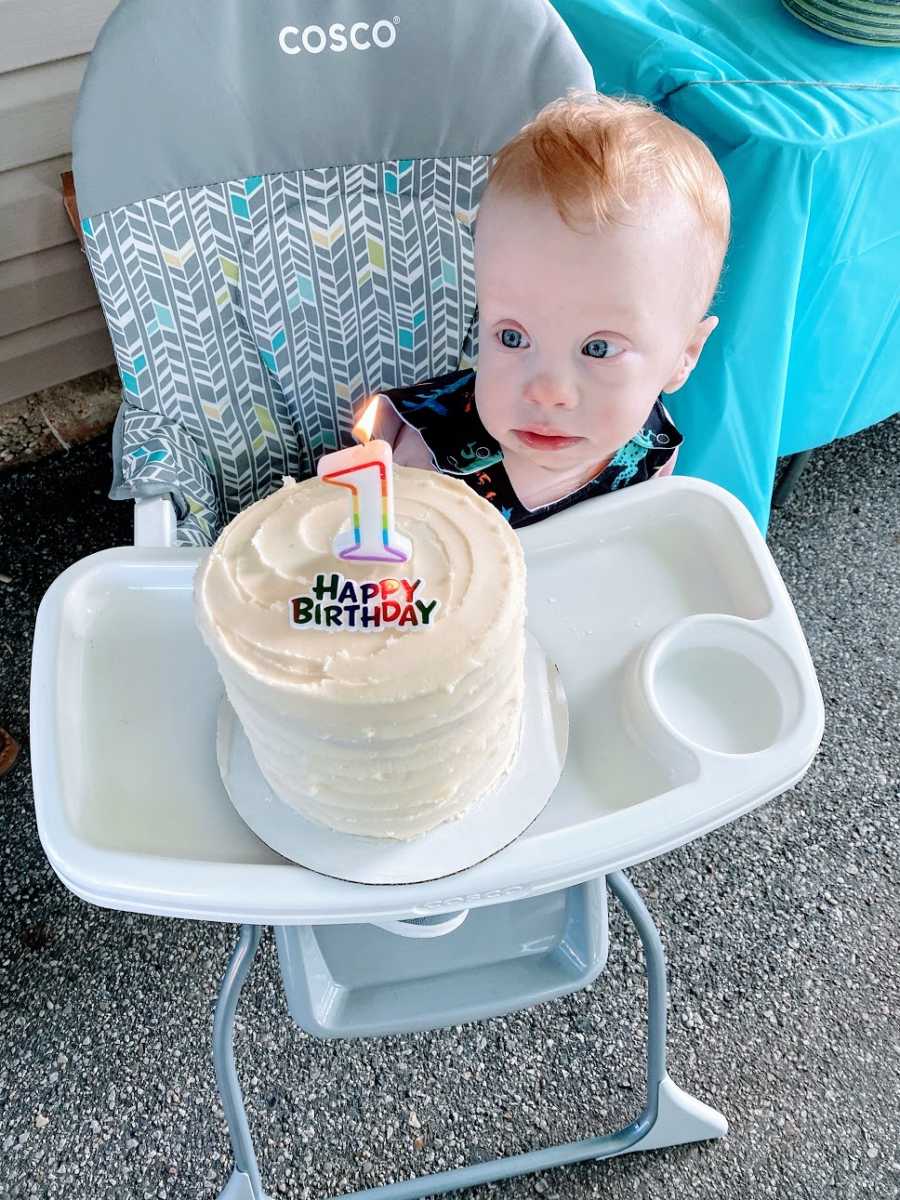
(249,318)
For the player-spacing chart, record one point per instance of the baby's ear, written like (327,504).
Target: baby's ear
(690,356)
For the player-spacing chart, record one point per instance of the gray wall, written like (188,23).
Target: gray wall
(51,327)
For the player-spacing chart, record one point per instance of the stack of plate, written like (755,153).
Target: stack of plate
(870,22)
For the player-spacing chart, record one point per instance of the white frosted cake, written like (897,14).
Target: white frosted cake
(382,731)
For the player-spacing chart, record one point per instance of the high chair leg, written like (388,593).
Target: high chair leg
(245,1183)
(670,1116)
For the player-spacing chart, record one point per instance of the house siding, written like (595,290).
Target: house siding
(51,327)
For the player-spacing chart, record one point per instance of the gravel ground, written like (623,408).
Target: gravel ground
(63,415)
(781,932)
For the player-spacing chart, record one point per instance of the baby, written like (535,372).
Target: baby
(599,246)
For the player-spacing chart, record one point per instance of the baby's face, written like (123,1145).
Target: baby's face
(580,332)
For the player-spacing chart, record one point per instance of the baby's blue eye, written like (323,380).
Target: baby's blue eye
(596,348)
(513,339)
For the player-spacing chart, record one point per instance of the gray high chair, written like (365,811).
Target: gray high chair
(278,212)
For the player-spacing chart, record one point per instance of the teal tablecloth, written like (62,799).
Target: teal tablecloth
(807,132)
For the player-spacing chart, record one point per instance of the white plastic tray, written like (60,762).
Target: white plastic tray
(692,699)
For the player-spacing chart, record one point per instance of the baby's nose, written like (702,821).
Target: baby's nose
(550,391)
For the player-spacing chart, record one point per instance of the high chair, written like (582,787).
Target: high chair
(278,212)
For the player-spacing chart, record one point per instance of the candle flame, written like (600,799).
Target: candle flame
(362,430)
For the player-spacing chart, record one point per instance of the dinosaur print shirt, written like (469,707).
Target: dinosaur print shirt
(443,411)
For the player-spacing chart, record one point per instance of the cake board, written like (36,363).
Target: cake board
(493,822)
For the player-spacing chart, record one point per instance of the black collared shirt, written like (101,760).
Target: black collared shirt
(444,413)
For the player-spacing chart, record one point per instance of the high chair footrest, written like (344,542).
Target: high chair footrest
(364,981)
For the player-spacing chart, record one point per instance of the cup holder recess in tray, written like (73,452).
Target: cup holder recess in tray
(717,684)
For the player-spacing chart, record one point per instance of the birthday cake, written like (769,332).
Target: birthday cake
(379,698)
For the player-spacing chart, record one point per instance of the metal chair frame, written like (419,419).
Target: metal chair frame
(669,1117)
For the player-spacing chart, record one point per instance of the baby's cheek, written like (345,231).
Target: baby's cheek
(493,411)
(616,424)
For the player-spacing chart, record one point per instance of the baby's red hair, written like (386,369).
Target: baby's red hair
(600,157)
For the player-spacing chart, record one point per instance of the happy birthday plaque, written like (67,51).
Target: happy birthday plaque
(335,602)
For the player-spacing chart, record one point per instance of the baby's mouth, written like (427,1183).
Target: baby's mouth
(536,440)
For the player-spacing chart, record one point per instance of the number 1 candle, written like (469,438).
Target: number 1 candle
(367,472)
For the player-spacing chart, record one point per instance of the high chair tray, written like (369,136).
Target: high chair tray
(691,693)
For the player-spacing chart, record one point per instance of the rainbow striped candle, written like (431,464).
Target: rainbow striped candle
(367,472)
